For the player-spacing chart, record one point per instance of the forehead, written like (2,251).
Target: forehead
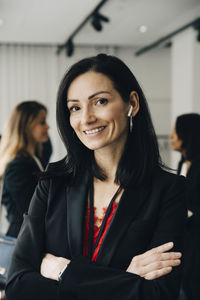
(89,83)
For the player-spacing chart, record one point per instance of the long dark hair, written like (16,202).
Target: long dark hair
(141,154)
(187,128)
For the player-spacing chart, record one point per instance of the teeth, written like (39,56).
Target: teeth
(94,130)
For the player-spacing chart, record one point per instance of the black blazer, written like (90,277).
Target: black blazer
(20,181)
(193,188)
(146,217)
(192,237)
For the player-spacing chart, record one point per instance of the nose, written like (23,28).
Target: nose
(88,116)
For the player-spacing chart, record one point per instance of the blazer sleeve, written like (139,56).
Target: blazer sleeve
(24,280)
(84,279)
(193,190)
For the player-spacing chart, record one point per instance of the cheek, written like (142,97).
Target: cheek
(73,122)
(117,114)
(177,141)
(180,144)
(177,144)
(38,131)
(121,119)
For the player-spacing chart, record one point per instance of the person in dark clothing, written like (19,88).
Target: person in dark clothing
(20,149)
(107,221)
(185,139)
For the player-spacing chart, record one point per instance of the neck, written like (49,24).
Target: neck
(31,149)
(183,152)
(108,160)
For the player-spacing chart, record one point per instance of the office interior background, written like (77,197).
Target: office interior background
(158,39)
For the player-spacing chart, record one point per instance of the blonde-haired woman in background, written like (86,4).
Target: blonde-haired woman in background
(20,149)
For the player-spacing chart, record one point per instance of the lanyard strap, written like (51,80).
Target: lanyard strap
(91,219)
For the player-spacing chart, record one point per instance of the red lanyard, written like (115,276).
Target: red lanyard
(91,249)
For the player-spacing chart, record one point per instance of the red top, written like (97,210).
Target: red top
(96,229)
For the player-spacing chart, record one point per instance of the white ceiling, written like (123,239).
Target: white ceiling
(53,21)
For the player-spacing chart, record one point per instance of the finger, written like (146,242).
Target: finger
(159,249)
(159,266)
(158,257)
(48,255)
(158,273)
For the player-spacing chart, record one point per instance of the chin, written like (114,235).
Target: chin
(175,149)
(93,146)
(44,139)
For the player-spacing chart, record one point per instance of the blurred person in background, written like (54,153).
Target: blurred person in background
(185,138)
(20,165)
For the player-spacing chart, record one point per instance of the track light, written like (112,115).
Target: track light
(197,27)
(195,24)
(198,35)
(97,18)
(69,47)
(96,24)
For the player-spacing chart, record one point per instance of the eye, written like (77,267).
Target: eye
(102,101)
(74,108)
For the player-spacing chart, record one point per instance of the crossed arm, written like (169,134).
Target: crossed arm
(150,265)
(87,280)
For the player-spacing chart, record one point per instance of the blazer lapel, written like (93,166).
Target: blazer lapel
(76,205)
(128,208)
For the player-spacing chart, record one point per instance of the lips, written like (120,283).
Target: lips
(95,130)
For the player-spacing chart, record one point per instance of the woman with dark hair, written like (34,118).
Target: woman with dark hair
(185,139)
(103,220)
(20,152)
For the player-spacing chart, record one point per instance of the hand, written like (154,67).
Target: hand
(155,262)
(2,295)
(52,265)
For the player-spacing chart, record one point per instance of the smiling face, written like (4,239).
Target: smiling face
(98,114)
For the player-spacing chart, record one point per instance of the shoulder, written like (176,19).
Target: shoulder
(54,177)
(194,168)
(20,166)
(58,178)
(58,171)
(50,191)
(166,175)
(20,160)
(165,179)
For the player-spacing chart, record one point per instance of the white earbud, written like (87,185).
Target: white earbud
(130,111)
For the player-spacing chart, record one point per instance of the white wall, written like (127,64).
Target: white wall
(153,73)
(34,72)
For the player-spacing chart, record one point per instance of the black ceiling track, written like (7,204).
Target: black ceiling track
(195,24)
(95,17)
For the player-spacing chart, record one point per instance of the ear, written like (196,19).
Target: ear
(134,102)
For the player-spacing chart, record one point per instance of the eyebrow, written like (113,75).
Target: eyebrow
(90,97)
